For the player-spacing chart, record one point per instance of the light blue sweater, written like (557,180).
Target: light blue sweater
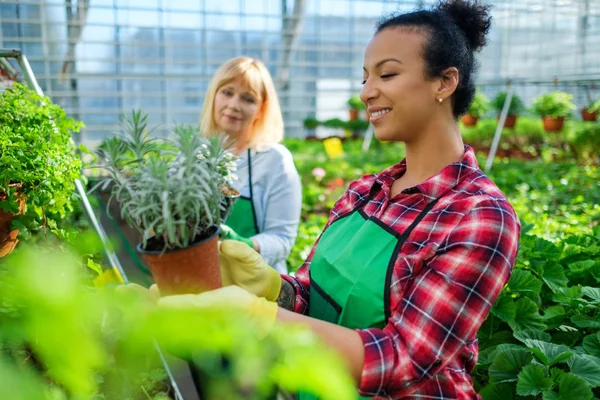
(277,201)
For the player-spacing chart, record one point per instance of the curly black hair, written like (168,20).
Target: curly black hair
(455,29)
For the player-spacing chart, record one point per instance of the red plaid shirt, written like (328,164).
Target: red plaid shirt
(445,279)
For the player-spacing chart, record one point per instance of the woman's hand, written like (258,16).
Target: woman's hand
(244,267)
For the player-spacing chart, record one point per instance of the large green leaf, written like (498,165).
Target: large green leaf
(533,380)
(592,292)
(584,321)
(548,353)
(505,308)
(497,391)
(527,316)
(554,312)
(570,387)
(591,344)
(507,365)
(580,267)
(523,281)
(554,277)
(532,334)
(586,367)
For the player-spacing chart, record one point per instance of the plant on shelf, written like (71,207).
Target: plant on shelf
(356,105)
(334,123)
(172,195)
(477,109)
(516,107)
(38,164)
(591,112)
(554,108)
(310,125)
(357,127)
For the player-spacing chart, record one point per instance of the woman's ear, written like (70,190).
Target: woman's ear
(448,82)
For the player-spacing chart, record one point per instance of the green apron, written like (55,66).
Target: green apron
(351,272)
(242,218)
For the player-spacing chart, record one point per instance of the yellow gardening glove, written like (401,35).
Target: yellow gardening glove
(229,298)
(244,267)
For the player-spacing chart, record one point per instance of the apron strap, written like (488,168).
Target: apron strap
(401,240)
(252,192)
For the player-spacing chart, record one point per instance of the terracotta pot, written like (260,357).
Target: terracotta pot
(553,124)
(511,121)
(353,114)
(194,269)
(8,237)
(469,120)
(230,196)
(589,116)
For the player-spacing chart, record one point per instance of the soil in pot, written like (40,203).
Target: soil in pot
(230,196)
(589,116)
(469,120)
(194,269)
(553,124)
(8,237)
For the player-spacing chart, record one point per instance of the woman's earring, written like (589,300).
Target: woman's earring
(440,100)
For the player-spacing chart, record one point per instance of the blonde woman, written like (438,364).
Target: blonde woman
(241,102)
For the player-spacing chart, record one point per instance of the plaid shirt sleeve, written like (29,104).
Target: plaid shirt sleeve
(444,303)
(301,282)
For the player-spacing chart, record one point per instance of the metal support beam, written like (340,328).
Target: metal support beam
(498,133)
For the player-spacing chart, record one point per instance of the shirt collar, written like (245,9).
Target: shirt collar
(437,185)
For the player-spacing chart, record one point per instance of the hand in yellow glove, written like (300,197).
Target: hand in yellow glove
(244,267)
(229,298)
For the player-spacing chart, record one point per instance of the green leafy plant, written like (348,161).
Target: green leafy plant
(355,103)
(516,105)
(311,123)
(334,123)
(38,158)
(542,334)
(479,106)
(555,104)
(172,190)
(62,338)
(594,107)
(357,125)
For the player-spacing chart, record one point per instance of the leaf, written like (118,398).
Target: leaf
(527,316)
(556,374)
(554,312)
(586,367)
(504,308)
(581,266)
(591,292)
(497,391)
(570,387)
(548,353)
(523,281)
(591,344)
(584,321)
(507,365)
(94,266)
(568,295)
(533,380)
(554,277)
(532,334)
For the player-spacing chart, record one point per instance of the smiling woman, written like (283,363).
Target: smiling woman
(412,258)
(242,104)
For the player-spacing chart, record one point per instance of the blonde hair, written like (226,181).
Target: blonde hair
(268,129)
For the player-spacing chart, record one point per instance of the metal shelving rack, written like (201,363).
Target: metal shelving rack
(191,392)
